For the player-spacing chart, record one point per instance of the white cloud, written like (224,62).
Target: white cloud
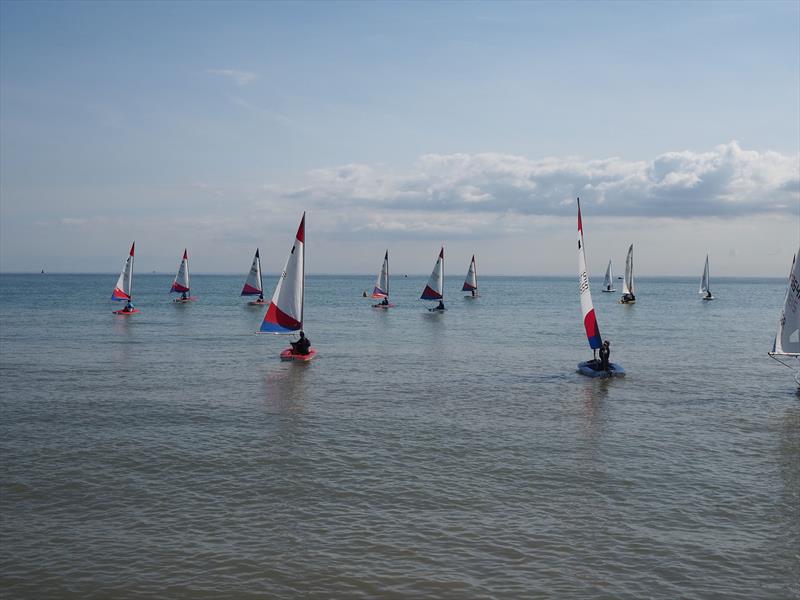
(240,78)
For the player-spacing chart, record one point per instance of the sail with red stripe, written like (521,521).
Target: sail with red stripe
(587,308)
(435,288)
(381,289)
(253,285)
(124,288)
(471,282)
(181,282)
(285,311)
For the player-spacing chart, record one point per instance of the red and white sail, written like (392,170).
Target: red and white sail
(471,282)
(435,288)
(587,308)
(181,282)
(124,287)
(381,289)
(253,285)
(285,311)
(787,339)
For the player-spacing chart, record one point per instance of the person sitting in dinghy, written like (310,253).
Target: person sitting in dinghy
(301,346)
(385,302)
(605,354)
(441,305)
(184,296)
(628,297)
(128,307)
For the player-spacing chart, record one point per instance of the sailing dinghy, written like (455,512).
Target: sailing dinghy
(124,288)
(435,288)
(381,289)
(471,282)
(628,295)
(180,285)
(591,368)
(254,286)
(608,282)
(705,289)
(285,312)
(787,340)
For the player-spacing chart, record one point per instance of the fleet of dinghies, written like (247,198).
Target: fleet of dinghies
(285,311)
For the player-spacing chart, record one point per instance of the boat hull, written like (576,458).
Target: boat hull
(627,301)
(708,297)
(609,291)
(289,354)
(186,301)
(588,369)
(390,305)
(433,310)
(124,313)
(257,303)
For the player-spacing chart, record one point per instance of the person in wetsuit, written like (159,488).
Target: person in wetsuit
(301,346)
(184,296)
(128,307)
(605,353)
(385,302)
(628,298)
(441,305)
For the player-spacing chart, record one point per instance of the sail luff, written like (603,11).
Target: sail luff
(787,338)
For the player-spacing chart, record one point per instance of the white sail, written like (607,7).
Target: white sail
(124,287)
(608,281)
(704,288)
(253,285)
(471,281)
(627,284)
(382,282)
(285,311)
(587,307)
(787,339)
(181,282)
(435,288)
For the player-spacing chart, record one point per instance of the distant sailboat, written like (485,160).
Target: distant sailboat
(123,291)
(608,282)
(285,312)
(705,289)
(435,288)
(254,286)
(471,282)
(628,294)
(590,368)
(787,339)
(381,289)
(180,285)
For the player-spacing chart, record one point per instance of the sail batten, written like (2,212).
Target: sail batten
(787,338)
(587,307)
(285,311)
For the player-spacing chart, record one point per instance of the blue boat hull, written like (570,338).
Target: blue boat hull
(591,368)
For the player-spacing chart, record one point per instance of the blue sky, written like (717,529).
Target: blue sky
(407,125)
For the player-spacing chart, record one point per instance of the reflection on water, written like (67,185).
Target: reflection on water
(593,394)
(286,388)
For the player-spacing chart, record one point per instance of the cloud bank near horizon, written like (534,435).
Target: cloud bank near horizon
(456,191)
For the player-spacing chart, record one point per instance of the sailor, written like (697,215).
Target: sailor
(385,302)
(605,353)
(441,305)
(301,346)
(628,297)
(473,293)
(184,296)
(128,307)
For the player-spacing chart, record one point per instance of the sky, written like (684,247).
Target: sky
(400,125)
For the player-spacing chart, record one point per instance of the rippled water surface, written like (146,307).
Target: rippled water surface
(457,455)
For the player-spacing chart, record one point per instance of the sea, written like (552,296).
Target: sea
(454,455)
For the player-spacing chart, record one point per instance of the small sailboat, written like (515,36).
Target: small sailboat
(180,285)
(254,286)
(471,282)
(787,339)
(381,289)
(123,291)
(285,312)
(435,288)
(608,282)
(705,289)
(628,294)
(591,368)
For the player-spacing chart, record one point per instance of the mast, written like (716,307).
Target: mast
(130,282)
(475,270)
(387,273)
(303,277)
(260,277)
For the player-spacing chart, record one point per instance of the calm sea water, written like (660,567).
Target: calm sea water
(456,455)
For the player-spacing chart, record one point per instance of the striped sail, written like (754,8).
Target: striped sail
(124,287)
(471,282)
(587,308)
(627,285)
(787,340)
(253,285)
(285,311)
(435,288)
(382,283)
(607,282)
(704,279)
(181,281)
